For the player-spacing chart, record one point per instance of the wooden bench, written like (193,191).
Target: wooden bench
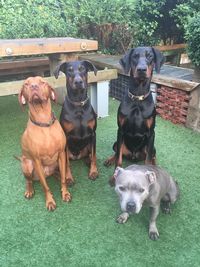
(23,67)
(58,50)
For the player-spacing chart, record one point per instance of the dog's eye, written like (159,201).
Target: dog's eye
(81,68)
(141,190)
(149,56)
(121,188)
(70,69)
(136,55)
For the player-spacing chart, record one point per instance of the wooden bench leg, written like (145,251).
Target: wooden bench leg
(99,93)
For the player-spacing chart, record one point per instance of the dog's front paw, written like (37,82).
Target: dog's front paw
(153,231)
(153,235)
(51,205)
(122,218)
(29,194)
(50,202)
(93,175)
(108,162)
(66,196)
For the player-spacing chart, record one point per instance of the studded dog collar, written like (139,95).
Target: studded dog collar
(79,104)
(138,97)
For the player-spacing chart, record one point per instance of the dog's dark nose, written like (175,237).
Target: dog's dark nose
(131,206)
(34,86)
(142,69)
(78,82)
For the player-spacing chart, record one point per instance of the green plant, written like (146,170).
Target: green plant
(193,39)
(29,19)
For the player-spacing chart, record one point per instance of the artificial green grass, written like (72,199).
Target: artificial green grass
(84,232)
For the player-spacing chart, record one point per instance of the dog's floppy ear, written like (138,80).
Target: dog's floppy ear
(151,177)
(53,95)
(159,59)
(61,67)
(125,62)
(21,97)
(89,66)
(117,171)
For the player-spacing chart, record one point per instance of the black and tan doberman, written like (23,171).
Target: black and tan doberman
(78,118)
(136,113)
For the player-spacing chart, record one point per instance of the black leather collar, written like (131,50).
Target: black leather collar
(43,124)
(138,97)
(78,104)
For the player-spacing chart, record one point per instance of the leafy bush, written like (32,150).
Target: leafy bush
(116,24)
(157,22)
(193,39)
(34,18)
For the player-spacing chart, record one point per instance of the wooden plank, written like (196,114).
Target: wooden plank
(102,75)
(10,88)
(37,46)
(174,82)
(23,63)
(5,74)
(171,47)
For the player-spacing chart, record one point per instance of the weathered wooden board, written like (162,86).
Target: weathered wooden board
(10,88)
(171,47)
(174,82)
(23,63)
(9,68)
(37,46)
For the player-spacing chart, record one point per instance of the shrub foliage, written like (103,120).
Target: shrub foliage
(116,24)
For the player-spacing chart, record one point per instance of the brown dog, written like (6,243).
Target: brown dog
(43,142)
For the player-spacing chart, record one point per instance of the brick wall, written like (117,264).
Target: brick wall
(172,104)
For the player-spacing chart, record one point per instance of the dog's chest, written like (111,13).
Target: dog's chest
(82,123)
(136,117)
(47,141)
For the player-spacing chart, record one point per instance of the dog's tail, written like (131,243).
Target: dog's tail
(17,157)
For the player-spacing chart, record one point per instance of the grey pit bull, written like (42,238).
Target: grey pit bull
(138,184)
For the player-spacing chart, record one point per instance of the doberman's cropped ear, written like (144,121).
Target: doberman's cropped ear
(61,67)
(125,62)
(21,97)
(159,59)
(151,177)
(89,66)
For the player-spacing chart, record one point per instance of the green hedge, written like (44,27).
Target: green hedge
(116,24)
(193,39)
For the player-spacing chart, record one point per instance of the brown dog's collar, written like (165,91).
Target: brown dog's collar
(138,97)
(78,104)
(43,124)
